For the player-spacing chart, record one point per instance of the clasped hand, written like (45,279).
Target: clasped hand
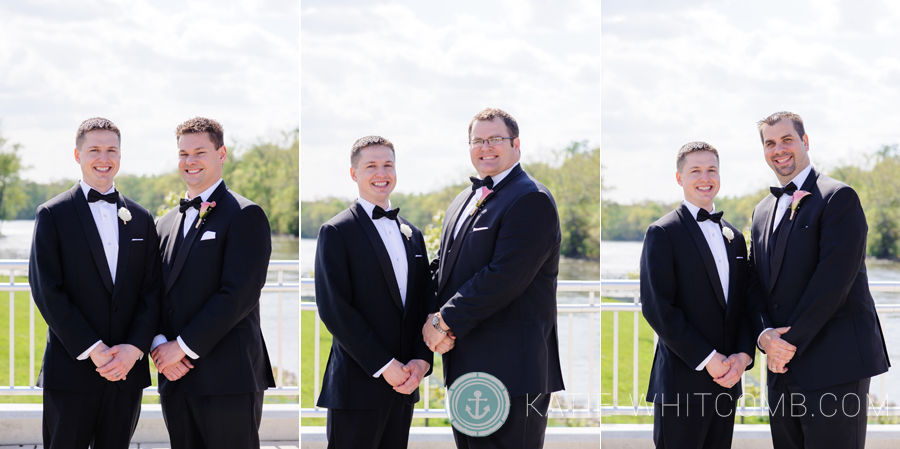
(778,351)
(405,378)
(116,362)
(727,371)
(171,360)
(436,341)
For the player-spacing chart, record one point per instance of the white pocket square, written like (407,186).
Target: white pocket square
(208,235)
(137,240)
(479,229)
(418,255)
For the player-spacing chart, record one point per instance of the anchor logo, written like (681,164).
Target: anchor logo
(477,399)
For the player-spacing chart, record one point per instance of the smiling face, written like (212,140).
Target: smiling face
(700,178)
(787,153)
(199,162)
(491,160)
(99,156)
(375,175)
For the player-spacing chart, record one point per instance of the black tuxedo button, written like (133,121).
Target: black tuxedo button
(170,311)
(775,306)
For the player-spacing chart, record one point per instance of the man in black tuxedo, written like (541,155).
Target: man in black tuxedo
(211,356)
(94,275)
(498,263)
(819,327)
(371,279)
(694,275)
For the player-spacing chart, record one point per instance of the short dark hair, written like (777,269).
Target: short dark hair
(492,113)
(365,142)
(203,125)
(776,117)
(95,124)
(693,147)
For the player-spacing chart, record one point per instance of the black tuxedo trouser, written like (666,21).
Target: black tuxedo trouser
(214,421)
(524,427)
(833,416)
(383,428)
(692,425)
(104,418)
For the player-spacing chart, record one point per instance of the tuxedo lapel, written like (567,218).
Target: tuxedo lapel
(182,252)
(447,238)
(384,260)
(784,234)
(92,235)
(124,248)
(732,270)
(705,252)
(411,266)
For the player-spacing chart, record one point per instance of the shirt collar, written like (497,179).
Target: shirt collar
(369,207)
(86,188)
(503,174)
(204,195)
(801,177)
(696,209)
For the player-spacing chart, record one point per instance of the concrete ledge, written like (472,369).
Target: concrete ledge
(21,424)
(313,437)
(746,436)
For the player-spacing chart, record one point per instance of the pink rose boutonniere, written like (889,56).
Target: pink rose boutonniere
(484,194)
(795,201)
(205,209)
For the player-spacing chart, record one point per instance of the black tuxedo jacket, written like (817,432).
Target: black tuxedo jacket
(359,302)
(497,286)
(817,284)
(683,301)
(211,292)
(74,290)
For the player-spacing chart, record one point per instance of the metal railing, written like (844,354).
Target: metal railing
(631,289)
(20,268)
(591,410)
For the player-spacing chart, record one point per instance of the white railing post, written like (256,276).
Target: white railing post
(280,332)
(12,331)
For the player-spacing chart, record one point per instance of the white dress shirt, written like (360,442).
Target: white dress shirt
(713,234)
(389,231)
(472,201)
(190,216)
(107,220)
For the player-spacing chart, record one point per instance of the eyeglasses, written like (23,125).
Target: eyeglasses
(491,141)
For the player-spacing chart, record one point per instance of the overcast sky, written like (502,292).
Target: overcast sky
(675,72)
(417,72)
(147,66)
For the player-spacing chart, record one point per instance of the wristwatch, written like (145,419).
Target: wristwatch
(436,322)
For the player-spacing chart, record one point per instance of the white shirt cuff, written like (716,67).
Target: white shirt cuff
(760,336)
(186,349)
(157,340)
(708,358)
(384,368)
(84,355)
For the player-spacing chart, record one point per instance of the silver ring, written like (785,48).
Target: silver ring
(117,374)
(730,384)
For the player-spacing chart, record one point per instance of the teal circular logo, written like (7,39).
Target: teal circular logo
(477,404)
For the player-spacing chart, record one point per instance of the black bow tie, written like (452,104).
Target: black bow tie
(111,198)
(477,183)
(187,204)
(704,215)
(778,191)
(378,212)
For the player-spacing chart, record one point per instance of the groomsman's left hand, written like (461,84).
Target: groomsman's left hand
(124,356)
(416,369)
(436,341)
(738,364)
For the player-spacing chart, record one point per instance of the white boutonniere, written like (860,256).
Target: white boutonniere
(726,231)
(124,214)
(406,230)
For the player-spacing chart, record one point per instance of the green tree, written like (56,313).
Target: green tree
(12,196)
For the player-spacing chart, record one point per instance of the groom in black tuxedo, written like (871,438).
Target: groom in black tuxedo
(817,318)
(498,263)
(371,279)
(94,275)
(694,275)
(212,359)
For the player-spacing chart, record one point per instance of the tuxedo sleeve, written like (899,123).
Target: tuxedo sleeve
(842,245)
(334,298)
(145,322)
(756,293)
(244,266)
(658,290)
(529,232)
(746,336)
(45,275)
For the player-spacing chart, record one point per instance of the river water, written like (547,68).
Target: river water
(621,260)
(15,243)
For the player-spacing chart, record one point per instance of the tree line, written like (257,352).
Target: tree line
(572,175)
(266,172)
(876,178)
